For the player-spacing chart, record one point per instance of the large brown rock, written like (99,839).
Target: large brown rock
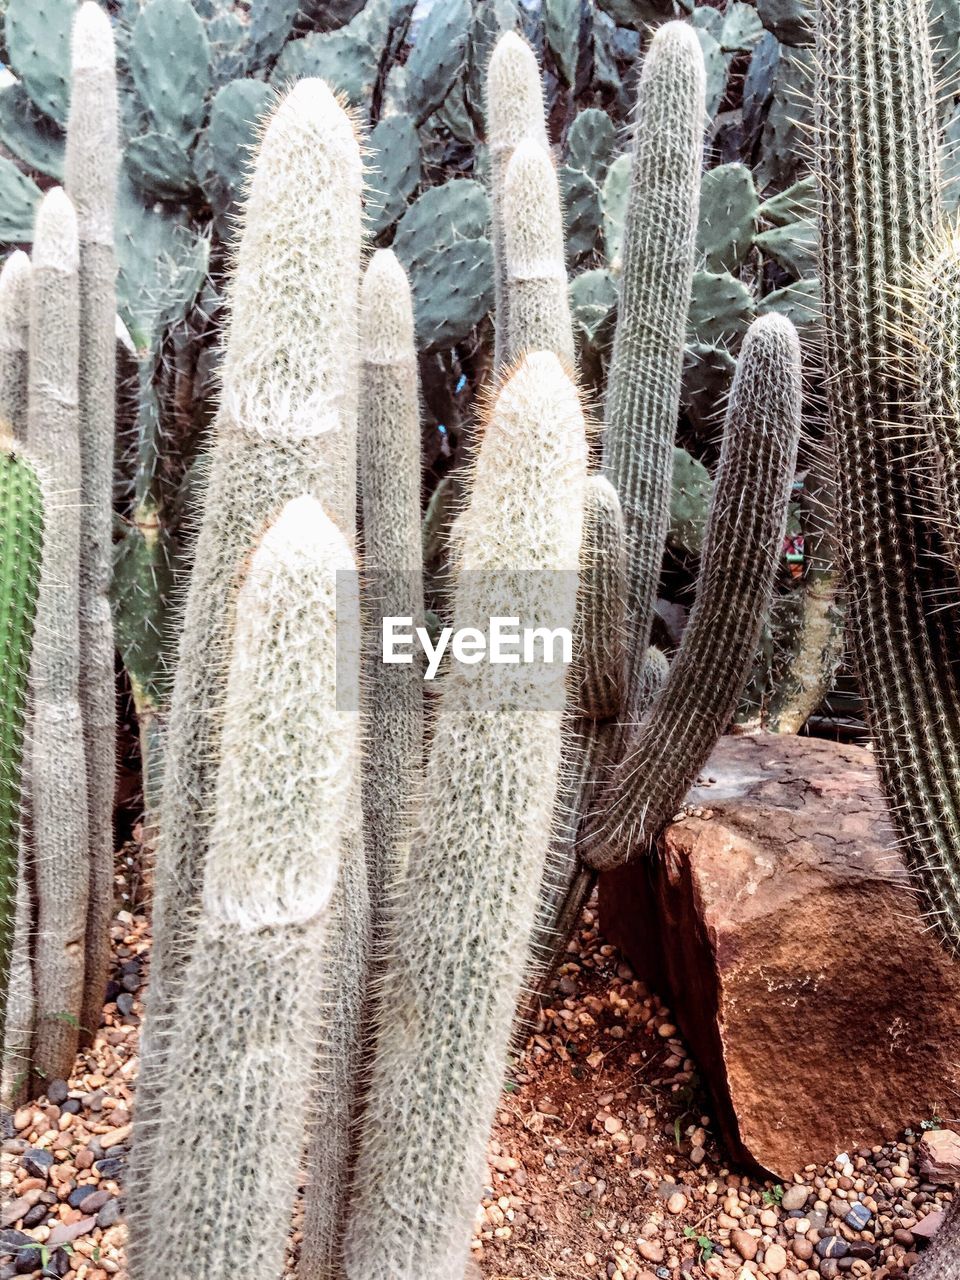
(777,919)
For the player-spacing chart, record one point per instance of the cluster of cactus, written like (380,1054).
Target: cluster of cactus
(393,913)
(196,75)
(892,337)
(57,398)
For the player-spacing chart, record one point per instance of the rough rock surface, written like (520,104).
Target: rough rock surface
(940,1156)
(775,917)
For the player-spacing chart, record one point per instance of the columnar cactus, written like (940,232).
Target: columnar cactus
(58,779)
(287,426)
(458,940)
(393,560)
(938,293)
(515,112)
(91,179)
(14,331)
(538,305)
(21,547)
(248,1022)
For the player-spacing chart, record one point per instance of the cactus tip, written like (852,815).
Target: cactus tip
(92,48)
(386,310)
(310,107)
(56,240)
(303,529)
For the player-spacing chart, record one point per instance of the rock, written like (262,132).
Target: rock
(677,1202)
(745,1244)
(64,1232)
(795,1197)
(11,1241)
(775,1259)
(37,1162)
(858,1217)
(91,1201)
(928,1227)
(832,1247)
(109,1214)
(13,1211)
(57,1092)
(940,1156)
(755,922)
(39,1213)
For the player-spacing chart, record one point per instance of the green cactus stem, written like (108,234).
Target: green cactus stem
(91,170)
(938,292)
(21,547)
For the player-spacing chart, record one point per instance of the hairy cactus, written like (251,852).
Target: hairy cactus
(91,173)
(393,559)
(21,547)
(515,112)
(538,306)
(938,292)
(251,1008)
(14,330)
(57,766)
(744,531)
(459,936)
(287,426)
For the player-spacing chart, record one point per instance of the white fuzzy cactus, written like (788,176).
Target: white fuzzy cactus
(515,112)
(538,301)
(286,427)
(14,330)
(57,767)
(248,1021)
(458,940)
(92,157)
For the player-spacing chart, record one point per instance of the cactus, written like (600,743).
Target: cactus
(21,547)
(515,112)
(479,853)
(37,34)
(538,303)
(287,426)
(939,377)
(91,164)
(393,171)
(885,158)
(14,331)
(170,64)
(251,1008)
(393,559)
(685,719)
(57,765)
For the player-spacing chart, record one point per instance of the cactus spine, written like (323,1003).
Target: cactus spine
(91,174)
(939,371)
(251,1007)
(393,559)
(454,974)
(515,111)
(21,546)
(538,305)
(57,766)
(287,427)
(877,153)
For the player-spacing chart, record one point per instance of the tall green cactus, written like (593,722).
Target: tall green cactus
(58,779)
(247,1022)
(938,293)
(459,936)
(393,560)
(21,547)
(287,426)
(92,156)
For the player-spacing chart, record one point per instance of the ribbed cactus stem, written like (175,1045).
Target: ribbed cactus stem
(880,201)
(938,293)
(58,777)
(14,329)
(21,548)
(247,1026)
(659,241)
(740,553)
(459,937)
(92,156)
(515,112)
(538,302)
(286,427)
(393,561)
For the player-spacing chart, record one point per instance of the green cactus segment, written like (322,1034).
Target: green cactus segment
(19,198)
(271,22)
(393,171)
(793,205)
(58,776)
(689,503)
(716,65)
(170,64)
(582,210)
(614,199)
(591,144)
(255,983)
(393,560)
(160,166)
(786,132)
(37,36)
(728,216)
(442,244)
(721,308)
(30,135)
(437,55)
(479,852)
(539,306)
(658,258)
(237,115)
(740,556)
(741,28)
(939,371)
(791,21)
(348,59)
(793,247)
(877,152)
(801,302)
(593,302)
(561,22)
(21,547)
(707,376)
(600,616)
